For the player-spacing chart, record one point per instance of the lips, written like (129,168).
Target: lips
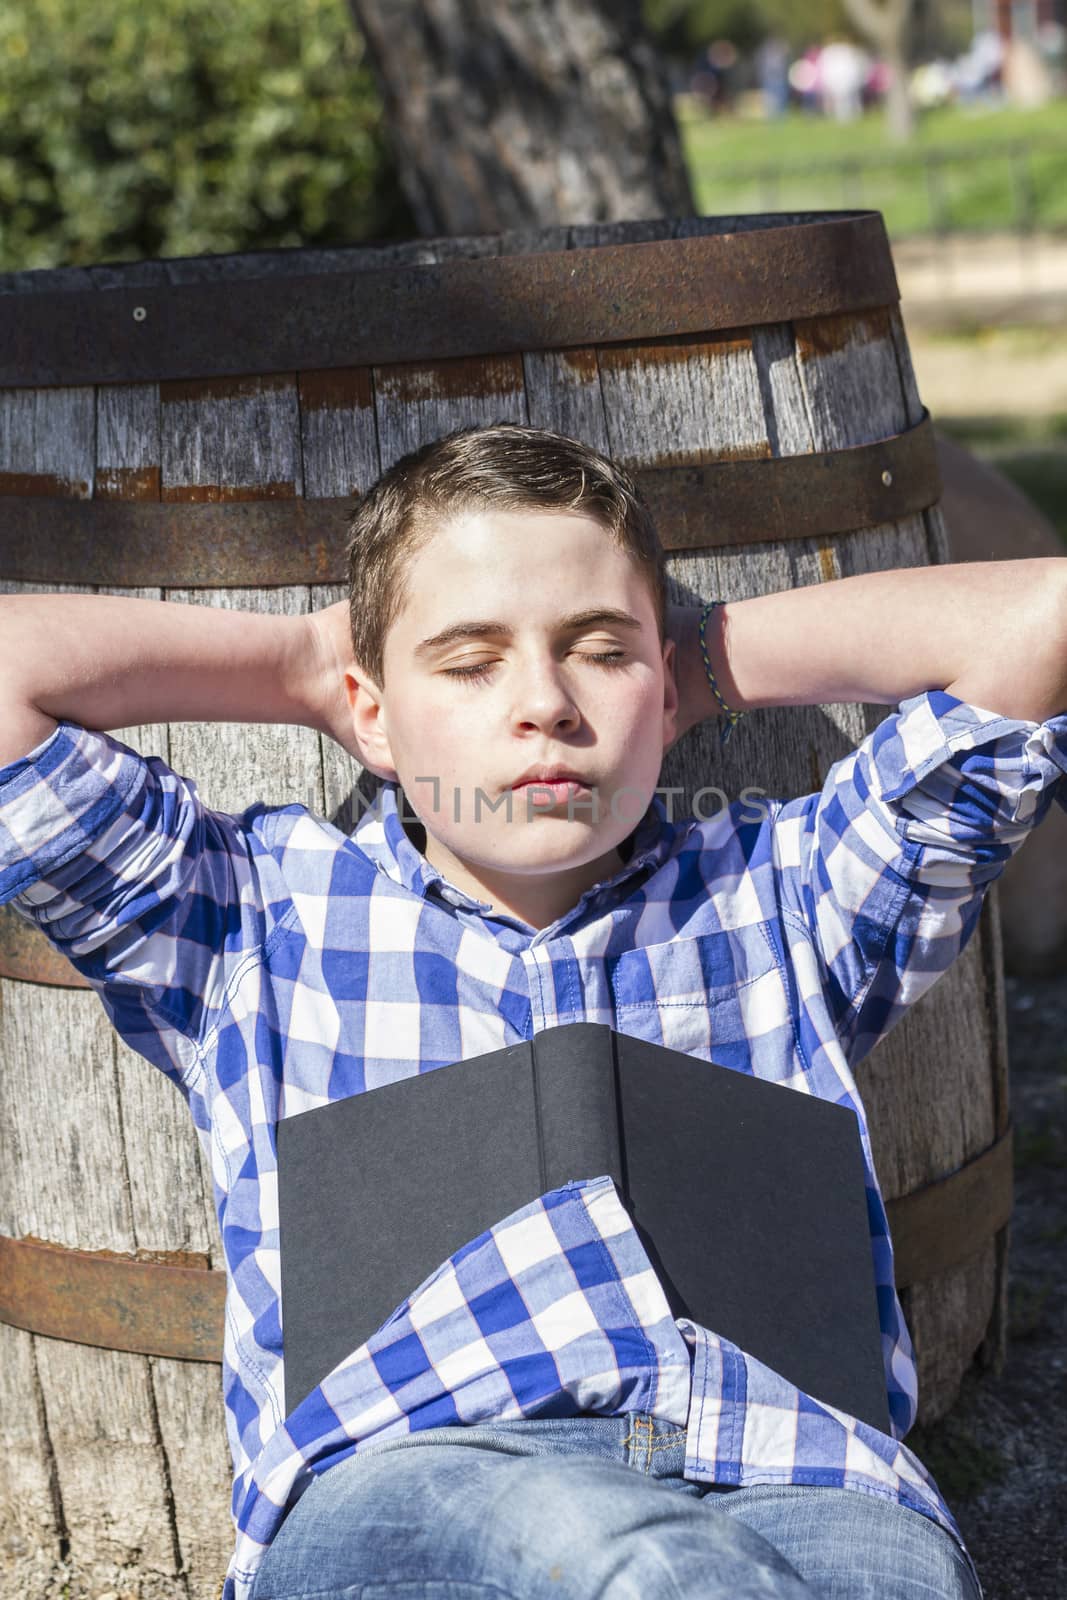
(551,775)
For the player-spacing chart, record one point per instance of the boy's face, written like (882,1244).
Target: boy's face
(458,744)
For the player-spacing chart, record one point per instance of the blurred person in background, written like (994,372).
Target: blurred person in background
(933,84)
(772,70)
(1052,43)
(711,80)
(843,69)
(877,85)
(805,79)
(977,72)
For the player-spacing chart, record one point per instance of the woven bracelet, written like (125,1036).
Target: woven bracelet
(730,719)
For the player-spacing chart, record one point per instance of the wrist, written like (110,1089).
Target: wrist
(697,700)
(307,669)
(730,714)
(326,658)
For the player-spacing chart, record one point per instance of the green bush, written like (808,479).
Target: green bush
(187,127)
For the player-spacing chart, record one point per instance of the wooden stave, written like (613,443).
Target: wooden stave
(551,394)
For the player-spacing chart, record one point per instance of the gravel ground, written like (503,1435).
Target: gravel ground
(1000,1457)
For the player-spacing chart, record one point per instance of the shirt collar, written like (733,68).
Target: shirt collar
(381,836)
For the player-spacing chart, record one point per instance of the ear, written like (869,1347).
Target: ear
(369,723)
(671,729)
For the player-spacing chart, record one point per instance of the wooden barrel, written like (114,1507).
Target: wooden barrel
(196,430)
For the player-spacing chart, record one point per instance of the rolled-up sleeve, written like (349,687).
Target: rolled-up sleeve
(888,865)
(148,893)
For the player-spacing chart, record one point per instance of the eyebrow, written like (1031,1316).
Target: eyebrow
(501,630)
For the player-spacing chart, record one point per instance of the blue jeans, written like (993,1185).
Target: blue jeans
(590,1508)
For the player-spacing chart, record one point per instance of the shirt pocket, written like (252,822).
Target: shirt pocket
(716,995)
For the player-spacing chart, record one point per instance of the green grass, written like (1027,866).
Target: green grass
(803,163)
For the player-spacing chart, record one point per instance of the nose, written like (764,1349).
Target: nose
(544,698)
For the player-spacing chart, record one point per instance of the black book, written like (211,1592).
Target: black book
(747,1196)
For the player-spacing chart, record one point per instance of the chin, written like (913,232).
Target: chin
(553,853)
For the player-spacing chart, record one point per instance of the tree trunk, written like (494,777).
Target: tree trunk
(900,113)
(887,27)
(505,113)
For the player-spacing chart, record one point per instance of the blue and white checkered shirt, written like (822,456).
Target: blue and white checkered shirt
(268,963)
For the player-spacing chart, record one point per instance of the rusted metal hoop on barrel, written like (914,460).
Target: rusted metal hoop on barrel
(136,324)
(266,543)
(170,1308)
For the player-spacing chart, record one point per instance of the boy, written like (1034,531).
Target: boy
(508,619)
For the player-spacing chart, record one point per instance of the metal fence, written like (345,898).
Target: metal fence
(1012,185)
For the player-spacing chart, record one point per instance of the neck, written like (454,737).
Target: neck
(536,899)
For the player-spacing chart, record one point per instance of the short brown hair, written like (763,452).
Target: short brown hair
(504,464)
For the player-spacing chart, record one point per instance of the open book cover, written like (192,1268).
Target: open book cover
(748,1197)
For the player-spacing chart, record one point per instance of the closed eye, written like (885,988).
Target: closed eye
(483,668)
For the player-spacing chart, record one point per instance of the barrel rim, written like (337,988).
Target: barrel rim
(128,329)
(423,250)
